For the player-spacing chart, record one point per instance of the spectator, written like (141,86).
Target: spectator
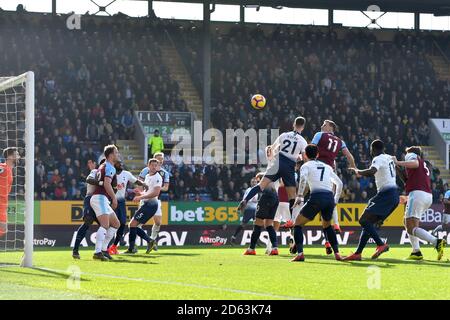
(155,144)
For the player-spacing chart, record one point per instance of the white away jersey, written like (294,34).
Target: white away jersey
(153,181)
(385,175)
(320,177)
(292,144)
(253,201)
(122,182)
(89,187)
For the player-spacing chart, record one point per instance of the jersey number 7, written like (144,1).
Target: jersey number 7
(321,174)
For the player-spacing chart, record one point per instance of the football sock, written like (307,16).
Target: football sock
(109,236)
(291,204)
(119,234)
(363,239)
(101,234)
(424,235)
(253,191)
(298,238)
(335,216)
(238,230)
(331,235)
(155,231)
(438,228)
(414,243)
(81,233)
(255,236)
(132,237)
(272,236)
(141,233)
(370,229)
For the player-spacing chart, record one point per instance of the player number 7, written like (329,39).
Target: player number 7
(321,174)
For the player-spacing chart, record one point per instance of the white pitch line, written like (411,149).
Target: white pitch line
(183,284)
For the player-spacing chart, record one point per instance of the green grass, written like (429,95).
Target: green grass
(224,273)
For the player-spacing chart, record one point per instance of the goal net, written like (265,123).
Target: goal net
(17,196)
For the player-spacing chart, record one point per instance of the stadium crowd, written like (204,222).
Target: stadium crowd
(371,89)
(368,87)
(81,104)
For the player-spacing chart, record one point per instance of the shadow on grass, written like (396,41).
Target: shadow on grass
(382,263)
(175,254)
(44,273)
(9,264)
(125,260)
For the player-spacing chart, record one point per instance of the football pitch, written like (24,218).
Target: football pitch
(224,273)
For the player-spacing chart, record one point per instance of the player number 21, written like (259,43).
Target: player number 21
(287,144)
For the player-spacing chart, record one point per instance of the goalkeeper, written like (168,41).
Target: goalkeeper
(11,156)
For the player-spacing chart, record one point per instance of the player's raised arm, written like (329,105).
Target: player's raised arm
(411,161)
(366,172)
(148,195)
(349,156)
(136,181)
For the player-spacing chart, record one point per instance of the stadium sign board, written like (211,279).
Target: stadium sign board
(186,213)
(213,236)
(165,122)
(214,213)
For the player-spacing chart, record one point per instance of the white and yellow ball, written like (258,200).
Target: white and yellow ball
(258,101)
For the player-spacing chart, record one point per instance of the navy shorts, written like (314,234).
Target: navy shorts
(146,212)
(322,202)
(249,214)
(121,211)
(286,171)
(88,213)
(267,205)
(383,203)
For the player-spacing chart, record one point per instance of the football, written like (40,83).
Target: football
(258,101)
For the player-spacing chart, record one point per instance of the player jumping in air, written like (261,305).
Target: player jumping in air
(11,156)
(249,211)
(123,177)
(157,218)
(320,178)
(286,149)
(148,205)
(329,146)
(88,214)
(382,204)
(104,201)
(282,214)
(420,198)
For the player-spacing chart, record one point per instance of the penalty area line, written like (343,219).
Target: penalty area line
(177,283)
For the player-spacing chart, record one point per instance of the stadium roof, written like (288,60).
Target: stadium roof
(438,7)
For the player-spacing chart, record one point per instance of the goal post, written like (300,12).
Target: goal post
(17,130)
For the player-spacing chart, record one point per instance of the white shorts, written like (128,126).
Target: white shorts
(101,205)
(159,211)
(283,214)
(418,202)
